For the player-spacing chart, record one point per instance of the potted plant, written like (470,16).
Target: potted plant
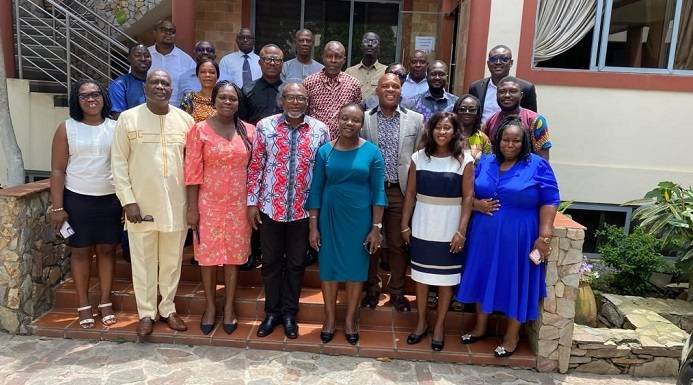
(585,303)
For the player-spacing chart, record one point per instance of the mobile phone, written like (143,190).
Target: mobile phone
(535,256)
(66,230)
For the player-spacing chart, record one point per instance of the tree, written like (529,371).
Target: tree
(8,140)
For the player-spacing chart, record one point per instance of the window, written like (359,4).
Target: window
(593,216)
(649,36)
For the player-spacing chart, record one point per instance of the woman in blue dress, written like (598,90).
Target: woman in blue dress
(498,273)
(346,203)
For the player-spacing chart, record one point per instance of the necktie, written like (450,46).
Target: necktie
(247,76)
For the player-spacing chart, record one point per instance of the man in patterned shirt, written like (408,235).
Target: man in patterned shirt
(437,98)
(330,89)
(396,131)
(279,176)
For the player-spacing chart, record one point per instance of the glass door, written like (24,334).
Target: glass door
(381,18)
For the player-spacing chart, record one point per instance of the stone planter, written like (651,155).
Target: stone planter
(585,306)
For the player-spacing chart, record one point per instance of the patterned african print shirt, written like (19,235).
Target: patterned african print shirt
(281,166)
(388,142)
(427,105)
(536,124)
(327,95)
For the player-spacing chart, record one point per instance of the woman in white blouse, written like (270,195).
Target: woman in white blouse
(84,197)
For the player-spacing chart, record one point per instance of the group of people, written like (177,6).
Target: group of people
(371,167)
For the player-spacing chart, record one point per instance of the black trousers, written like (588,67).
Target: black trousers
(284,246)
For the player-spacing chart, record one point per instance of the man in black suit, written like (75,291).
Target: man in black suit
(500,60)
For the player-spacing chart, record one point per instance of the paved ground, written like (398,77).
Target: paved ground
(35,360)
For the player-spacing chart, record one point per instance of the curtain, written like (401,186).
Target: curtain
(683,59)
(560,25)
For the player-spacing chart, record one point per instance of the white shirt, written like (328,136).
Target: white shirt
(410,88)
(490,102)
(187,81)
(231,67)
(89,161)
(175,63)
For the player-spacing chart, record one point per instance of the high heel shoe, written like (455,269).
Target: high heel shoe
(352,338)
(413,339)
(326,337)
(230,328)
(437,346)
(206,328)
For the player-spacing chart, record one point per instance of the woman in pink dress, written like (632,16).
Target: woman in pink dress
(217,152)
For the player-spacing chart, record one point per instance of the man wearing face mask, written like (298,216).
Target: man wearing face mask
(147,164)
(436,98)
(369,70)
(499,62)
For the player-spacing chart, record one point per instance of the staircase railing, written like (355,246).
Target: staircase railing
(64,46)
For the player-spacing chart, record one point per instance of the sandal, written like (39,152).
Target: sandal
(85,323)
(109,319)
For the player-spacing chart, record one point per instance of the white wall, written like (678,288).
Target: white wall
(34,120)
(504,27)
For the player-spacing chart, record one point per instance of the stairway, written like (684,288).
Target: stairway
(383,330)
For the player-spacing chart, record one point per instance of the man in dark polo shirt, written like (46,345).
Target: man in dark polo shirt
(260,96)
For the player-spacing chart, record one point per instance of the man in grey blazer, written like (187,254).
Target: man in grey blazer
(396,131)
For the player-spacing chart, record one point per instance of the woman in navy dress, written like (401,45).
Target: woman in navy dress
(498,274)
(346,203)
(439,195)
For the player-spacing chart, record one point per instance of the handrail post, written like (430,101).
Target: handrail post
(18,25)
(67,50)
(108,46)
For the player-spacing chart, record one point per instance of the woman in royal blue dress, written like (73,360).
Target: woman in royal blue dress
(498,274)
(346,203)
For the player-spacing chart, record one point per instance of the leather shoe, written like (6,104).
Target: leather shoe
(413,338)
(400,303)
(145,327)
(370,300)
(290,327)
(268,324)
(326,337)
(175,322)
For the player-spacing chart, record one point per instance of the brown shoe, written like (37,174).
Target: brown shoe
(175,322)
(145,327)
(400,303)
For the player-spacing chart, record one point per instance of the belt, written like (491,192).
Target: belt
(391,184)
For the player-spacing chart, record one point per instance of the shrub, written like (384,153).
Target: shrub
(630,258)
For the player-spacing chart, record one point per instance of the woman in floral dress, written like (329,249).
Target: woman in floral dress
(199,104)
(217,153)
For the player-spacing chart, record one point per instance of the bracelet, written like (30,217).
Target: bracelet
(460,234)
(405,230)
(55,210)
(313,217)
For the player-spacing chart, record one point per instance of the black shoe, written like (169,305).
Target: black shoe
(370,301)
(400,303)
(352,338)
(500,352)
(437,345)
(470,339)
(268,324)
(326,337)
(413,339)
(230,328)
(290,327)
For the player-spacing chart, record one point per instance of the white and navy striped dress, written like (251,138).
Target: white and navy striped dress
(436,219)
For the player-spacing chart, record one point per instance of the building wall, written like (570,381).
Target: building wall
(218,21)
(610,145)
(423,19)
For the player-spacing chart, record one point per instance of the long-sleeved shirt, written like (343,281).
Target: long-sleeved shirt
(327,95)
(427,105)
(411,88)
(126,91)
(281,166)
(147,163)
(231,67)
(175,63)
(259,100)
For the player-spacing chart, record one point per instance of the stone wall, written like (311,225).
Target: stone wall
(551,335)
(30,267)
(123,13)
(218,21)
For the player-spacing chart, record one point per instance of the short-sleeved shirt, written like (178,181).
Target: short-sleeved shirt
(126,91)
(294,71)
(259,100)
(367,76)
(427,105)
(536,124)
(175,63)
(411,88)
(327,95)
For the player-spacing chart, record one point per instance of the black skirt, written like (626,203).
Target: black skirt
(96,220)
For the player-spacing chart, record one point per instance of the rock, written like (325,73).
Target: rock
(560,232)
(571,257)
(576,234)
(565,308)
(570,293)
(577,352)
(546,365)
(559,289)
(551,274)
(563,358)
(628,361)
(548,333)
(586,335)
(13,298)
(609,352)
(571,280)
(658,367)
(8,320)
(611,314)
(566,335)
(598,367)
(564,244)
(579,360)
(546,347)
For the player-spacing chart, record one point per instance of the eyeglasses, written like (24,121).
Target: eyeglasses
(504,59)
(205,49)
(91,95)
(370,41)
(171,31)
(248,38)
(464,109)
(272,60)
(295,98)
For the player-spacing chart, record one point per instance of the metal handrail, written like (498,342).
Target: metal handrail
(85,45)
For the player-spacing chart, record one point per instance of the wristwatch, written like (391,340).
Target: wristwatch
(378,225)
(546,240)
